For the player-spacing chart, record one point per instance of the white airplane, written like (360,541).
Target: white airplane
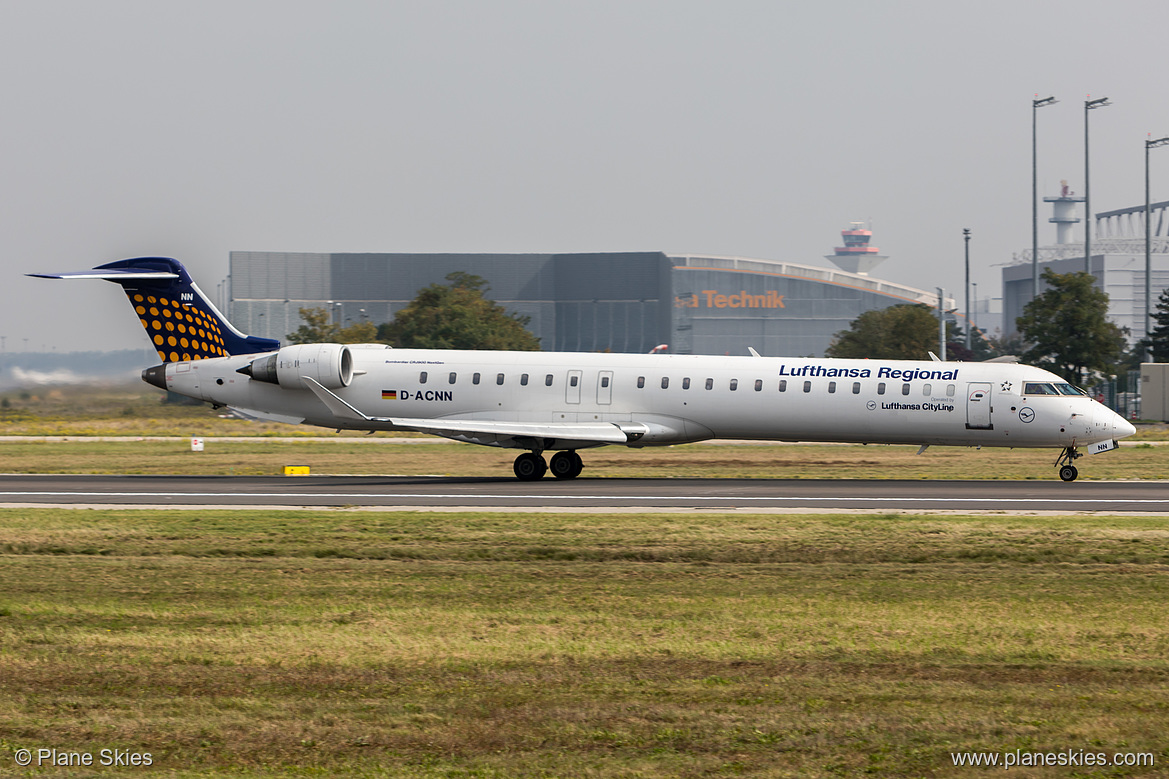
(567,401)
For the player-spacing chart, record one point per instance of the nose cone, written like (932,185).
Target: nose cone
(1121,427)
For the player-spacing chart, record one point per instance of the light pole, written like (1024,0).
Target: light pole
(1099,102)
(974,316)
(942,322)
(966,237)
(1149,249)
(1035,106)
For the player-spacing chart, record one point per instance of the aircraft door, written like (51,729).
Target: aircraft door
(572,388)
(605,388)
(978,406)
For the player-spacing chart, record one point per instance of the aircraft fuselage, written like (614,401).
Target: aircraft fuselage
(678,398)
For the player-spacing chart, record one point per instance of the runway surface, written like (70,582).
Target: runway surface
(601,494)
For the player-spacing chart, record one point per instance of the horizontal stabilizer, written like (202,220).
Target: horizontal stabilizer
(111,274)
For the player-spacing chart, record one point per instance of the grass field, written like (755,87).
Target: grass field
(300,643)
(346,456)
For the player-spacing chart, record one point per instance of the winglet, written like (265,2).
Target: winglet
(338,407)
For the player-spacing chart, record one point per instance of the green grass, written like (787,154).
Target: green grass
(252,643)
(689,461)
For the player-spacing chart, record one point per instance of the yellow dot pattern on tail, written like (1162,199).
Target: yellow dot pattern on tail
(179,331)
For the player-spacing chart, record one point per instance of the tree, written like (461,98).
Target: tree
(902,332)
(1068,328)
(318,329)
(1157,342)
(456,315)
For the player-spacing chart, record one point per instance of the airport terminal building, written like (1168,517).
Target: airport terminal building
(619,301)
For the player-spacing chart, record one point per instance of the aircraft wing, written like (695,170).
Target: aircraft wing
(601,432)
(252,415)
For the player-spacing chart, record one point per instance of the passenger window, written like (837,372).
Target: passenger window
(641,382)
(604,381)
(573,380)
(475,378)
(710,384)
(734,384)
(452,377)
(758,385)
(422,378)
(523,379)
(665,382)
(856,388)
(831,388)
(499,379)
(904,389)
(807,386)
(548,381)
(686,383)
(881,388)
(950,390)
(927,390)
(783,385)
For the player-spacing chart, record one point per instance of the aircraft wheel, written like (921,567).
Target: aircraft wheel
(1068,473)
(566,465)
(529,467)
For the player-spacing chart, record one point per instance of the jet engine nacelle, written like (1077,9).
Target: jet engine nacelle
(329,364)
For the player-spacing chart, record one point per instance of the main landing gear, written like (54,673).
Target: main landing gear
(1067,471)
(530,466)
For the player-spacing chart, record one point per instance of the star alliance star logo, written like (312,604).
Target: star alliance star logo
(1006,387)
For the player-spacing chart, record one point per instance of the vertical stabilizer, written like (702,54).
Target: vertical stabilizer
(181,322)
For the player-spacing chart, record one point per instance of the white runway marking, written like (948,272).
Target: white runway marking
(293,496)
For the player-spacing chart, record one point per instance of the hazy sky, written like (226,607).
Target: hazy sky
(756,129)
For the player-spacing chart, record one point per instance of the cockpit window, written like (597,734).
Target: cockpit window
(1068,389)
(1038,388)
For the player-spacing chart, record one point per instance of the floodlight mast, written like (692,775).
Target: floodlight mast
(966,237)
(1035,105)
(1099,102)
(1149,144)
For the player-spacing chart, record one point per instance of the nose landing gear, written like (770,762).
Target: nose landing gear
(1067,471)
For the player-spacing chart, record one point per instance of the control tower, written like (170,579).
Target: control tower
(856,256)
(1065,213)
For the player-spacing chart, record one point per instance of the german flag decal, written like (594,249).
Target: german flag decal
(389,394)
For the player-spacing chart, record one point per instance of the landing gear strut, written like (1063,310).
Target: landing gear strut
(1067,471)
